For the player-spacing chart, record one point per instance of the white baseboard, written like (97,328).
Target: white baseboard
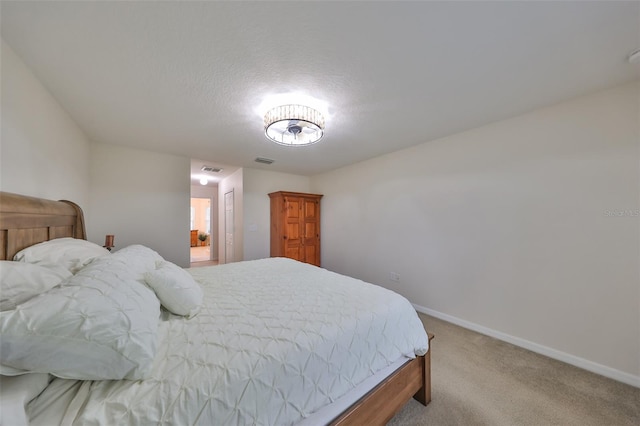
(603,370)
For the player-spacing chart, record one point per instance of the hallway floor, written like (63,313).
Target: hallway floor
(204,263)
(201,256)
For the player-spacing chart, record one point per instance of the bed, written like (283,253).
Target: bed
(349,353)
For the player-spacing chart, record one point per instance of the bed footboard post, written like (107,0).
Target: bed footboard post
(424,393)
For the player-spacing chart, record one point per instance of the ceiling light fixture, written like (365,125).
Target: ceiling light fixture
(294,125)
(204,180)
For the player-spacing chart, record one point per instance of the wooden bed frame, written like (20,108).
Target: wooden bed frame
(25,221)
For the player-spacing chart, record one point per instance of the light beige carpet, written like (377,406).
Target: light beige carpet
(479,380)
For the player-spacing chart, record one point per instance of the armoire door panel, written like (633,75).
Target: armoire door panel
(310,254)
(310,210)
(295,253)
(292,209)
(310,230)
(292,231)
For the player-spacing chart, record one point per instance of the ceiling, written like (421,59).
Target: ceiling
(188,78)
(212,177)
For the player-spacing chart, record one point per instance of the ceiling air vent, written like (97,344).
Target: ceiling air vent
(211,169)
(263,160)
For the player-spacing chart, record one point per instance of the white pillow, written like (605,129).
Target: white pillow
(100,324)
(176,289)
(140,259)
(70,253)
(20,282)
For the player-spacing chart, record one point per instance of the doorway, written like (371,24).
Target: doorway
(201,230)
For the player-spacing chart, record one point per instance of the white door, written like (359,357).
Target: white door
(228,227)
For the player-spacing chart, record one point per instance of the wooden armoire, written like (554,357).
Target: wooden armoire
(295,226)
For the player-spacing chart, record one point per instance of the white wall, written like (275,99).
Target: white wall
(210,191)
(234,183)
(141,197)
(257,207)
(507,228)
(43,152)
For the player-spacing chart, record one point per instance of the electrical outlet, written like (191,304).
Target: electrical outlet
(394,276)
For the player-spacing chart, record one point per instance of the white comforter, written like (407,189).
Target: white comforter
(275,341)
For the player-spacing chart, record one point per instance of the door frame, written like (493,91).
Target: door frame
(229,225)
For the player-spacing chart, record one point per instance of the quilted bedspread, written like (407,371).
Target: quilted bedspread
(275,341)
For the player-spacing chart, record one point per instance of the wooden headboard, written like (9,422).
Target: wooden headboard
(25,221)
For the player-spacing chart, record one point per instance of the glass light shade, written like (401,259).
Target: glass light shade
(294,125)
(204,181)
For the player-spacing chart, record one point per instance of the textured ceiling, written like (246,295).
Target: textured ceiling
(188,77)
